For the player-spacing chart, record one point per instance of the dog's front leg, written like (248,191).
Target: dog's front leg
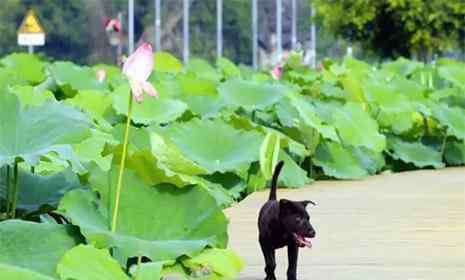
(292,254)
(270,262)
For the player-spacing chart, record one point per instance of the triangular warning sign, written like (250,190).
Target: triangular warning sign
(30,24)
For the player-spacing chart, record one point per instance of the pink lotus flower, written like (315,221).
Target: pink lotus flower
(101,75)
(137,68)
(277,72)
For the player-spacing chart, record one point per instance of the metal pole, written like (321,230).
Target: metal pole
(119,48)
(131,26)
(279,30)
(219,28)
(30,49)
(313,40)
(185,30)
(157,26)
(294,24)
(254,35)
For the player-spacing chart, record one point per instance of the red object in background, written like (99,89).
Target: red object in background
(112,25)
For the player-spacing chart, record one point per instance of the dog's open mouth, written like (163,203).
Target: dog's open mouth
(302,241)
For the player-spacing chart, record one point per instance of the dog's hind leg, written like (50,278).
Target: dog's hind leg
(270,261)
(292,254)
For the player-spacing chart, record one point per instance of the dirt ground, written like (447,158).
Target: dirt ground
(406,226)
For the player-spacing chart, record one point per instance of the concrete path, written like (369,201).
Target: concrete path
(406,226)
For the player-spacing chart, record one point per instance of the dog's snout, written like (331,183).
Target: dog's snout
(312,233)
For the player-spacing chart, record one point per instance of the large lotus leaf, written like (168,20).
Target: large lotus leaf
(370,160)
(159,222)
(414,152)
(30,248)
(193,85)
(338,162)
(454,153)
(30,96)
(453,118)
(149,271)
(387,97)
(252,95)
(453,72)
(203,69)
(269,152)
(215,145)
(204,106)
(292,175)
(219,263)
(38,190)
(165,62)
(113,74)
(75,77)
(151,110)
(167,85)
(287,113)
(10,77)
(309,116)
(30,67)
(18,273)
(35,131)
(85,262)
(402,67)
(92,149)
(93,102)
(357,128)
(228,68)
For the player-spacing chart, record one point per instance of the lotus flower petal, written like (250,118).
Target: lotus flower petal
(139,65)
(277,72)
(137,90)
(101,75)
(149,89)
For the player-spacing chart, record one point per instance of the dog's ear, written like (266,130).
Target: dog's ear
(307,202)
(286,205)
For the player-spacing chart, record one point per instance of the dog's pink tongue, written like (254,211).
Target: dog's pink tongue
(307,242)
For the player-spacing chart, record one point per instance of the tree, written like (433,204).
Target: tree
(396,27)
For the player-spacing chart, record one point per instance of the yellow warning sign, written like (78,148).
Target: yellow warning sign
(30,24)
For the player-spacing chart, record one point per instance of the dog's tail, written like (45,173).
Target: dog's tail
(274,180)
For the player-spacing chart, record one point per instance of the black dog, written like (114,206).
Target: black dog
(283,223)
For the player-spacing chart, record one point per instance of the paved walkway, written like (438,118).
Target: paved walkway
(406,226)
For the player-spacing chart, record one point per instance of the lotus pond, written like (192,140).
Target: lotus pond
(210,139)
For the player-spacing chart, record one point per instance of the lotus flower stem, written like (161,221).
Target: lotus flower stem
(121,167)
(15,190)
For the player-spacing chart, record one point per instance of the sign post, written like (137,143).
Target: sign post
(31,33)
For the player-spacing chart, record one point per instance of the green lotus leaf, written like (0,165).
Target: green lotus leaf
(32,132)
(451,117)
(310,118)
(193,85)
(357,128)
(149,271)
(29,66)
(85,262)
(414,152)
(30,96)
(204,106)
(215,145)
(30,249)
(92,148)
(203,69)
(67,74)
(36,190)
(15,272)
(228,68)
(114,76)
(372,161)
(454,153)
(453,72)
(10,77)
(269,152)
(93,102)
(165,62)
(402,67)
(338,162)
(159,222)
(151,110)
(219,263)
(252,95)
(292,175)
